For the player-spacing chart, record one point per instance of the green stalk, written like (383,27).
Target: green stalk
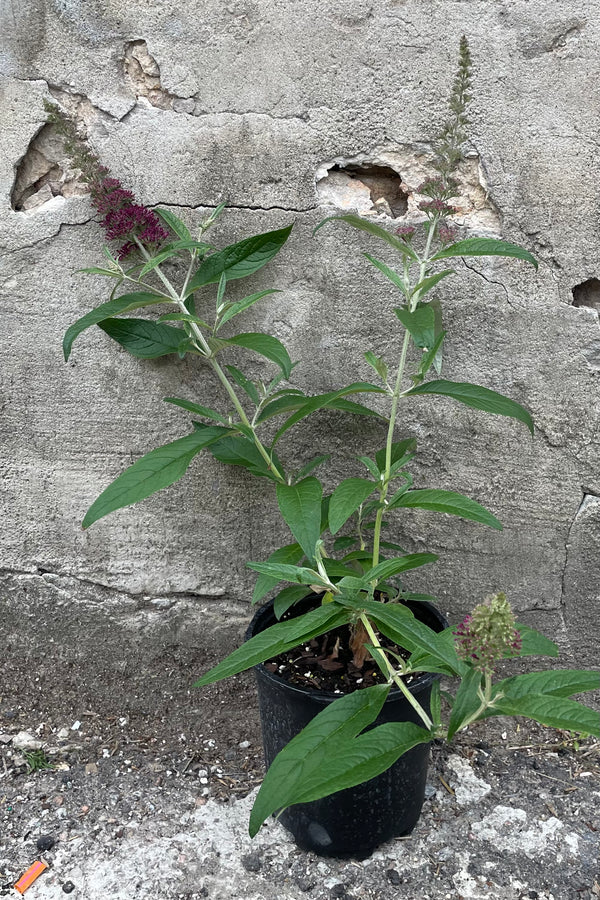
(395,400)
(178,300)
(391,672)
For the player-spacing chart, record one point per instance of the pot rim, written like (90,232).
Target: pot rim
(420,683)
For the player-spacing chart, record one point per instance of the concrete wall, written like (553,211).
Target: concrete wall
(263,103)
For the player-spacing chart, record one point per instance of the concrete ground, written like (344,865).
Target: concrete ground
(511,812)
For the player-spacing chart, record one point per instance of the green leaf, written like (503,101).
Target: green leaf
(389,273)
(559,683)
(423,661)
(436,703)
(245,384)
(330,755)
(411,595)
(312,465)
(297,400)
(390,567)
(283,572)
(430,356)
(389,545)
(240,305)
(221,289)
(286,598)
(241,259)
(300,506)
(265,345)
(466,702)
(235,450)
(477,398)
(373,229)
(533,643)
(378,364)
(96,270)
(151,473)
(399,624)
(174,223)
(552,710)
(330,400)
(183,317)
(371,466)
(424,286)
(449,502)
(485,247)
(163,256)
(123,304)
(437,311)
(289,555)
(196,409)
(145,339)
(346,499)
(420,322)
(342,543)
(280,405)
(336,569)
(399,450)
(275,640)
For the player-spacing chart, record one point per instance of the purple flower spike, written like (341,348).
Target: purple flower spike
(124,218)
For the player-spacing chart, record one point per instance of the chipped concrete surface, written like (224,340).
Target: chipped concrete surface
(128,815)
(468,788)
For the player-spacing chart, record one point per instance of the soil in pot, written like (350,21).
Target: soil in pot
(353,822)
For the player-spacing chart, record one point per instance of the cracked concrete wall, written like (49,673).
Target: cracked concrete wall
(269,105)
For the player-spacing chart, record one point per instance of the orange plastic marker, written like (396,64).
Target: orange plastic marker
(32,873)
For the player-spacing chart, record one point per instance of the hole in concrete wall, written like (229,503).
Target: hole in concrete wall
(587,294)
(44,173)
(386,182)
(143,74)
(366,187)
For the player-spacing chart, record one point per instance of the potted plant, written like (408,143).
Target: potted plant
(330,740)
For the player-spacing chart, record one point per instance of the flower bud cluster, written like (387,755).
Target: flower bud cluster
(436,207)
(406,232)
(123,218)
(488,634)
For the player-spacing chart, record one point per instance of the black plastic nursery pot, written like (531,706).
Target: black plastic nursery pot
(353,822)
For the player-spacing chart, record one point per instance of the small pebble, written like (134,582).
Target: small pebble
(68,887)
(393,876)
(338,891)
(45,842)
(252,862)
(243,745)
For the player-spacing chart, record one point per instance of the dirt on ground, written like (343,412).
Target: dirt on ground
(142,806)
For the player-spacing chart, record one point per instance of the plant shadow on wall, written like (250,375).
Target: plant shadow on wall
(349,659)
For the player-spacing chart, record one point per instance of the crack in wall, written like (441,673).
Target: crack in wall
(52,577)
(489,280)
(49,237)
(589,496)
(231,206)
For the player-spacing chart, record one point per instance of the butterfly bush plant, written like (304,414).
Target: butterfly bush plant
(338,557)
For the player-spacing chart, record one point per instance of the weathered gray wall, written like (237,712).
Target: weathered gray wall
(251,102)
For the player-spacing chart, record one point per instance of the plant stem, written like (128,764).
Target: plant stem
(178,299)
(391,672)
(396,398)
